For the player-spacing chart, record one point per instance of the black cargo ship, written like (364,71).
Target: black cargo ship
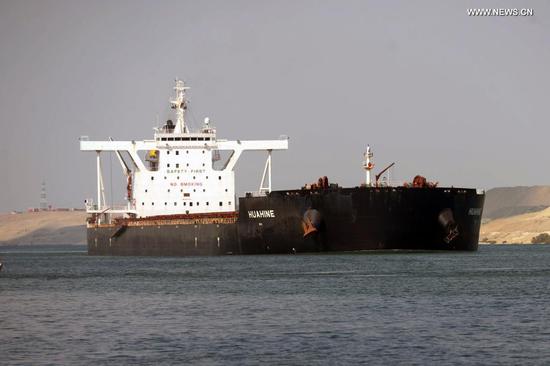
(179,203)
(300,221)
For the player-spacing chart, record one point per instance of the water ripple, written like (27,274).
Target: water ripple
(63,307)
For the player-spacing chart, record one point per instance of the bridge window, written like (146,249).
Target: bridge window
(163,139)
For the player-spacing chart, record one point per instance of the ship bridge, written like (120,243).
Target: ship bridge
(174,173)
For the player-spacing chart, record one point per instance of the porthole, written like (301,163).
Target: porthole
(175,203)
(177,165)
(221,204)
(207,203)
(177,152)
(178,177)
(165,203)
(187,151)
(143,203)
(168,165)
(152,178)
(152,203)
(220,177)
(168,190)
(164,177)
(145,191)
(190,203)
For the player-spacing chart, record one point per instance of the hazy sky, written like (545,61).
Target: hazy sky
(462,100)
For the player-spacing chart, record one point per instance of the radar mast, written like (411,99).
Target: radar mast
(179,103)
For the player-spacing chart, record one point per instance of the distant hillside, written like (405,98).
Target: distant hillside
(43,228)
(518,229)
(510,201)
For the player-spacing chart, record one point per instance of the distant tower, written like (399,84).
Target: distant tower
(43,199)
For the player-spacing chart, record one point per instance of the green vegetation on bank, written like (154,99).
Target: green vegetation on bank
(543,238)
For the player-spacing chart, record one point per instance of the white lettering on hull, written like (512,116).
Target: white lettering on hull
(258,214)
(474,212)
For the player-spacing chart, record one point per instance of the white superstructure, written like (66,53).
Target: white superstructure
(174,173)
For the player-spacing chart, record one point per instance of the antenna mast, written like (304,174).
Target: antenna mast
(368,165)
(179,103)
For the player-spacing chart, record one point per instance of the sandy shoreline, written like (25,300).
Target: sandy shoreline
(30,228)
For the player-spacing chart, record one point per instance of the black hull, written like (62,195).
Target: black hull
(164,240)
(302,221)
